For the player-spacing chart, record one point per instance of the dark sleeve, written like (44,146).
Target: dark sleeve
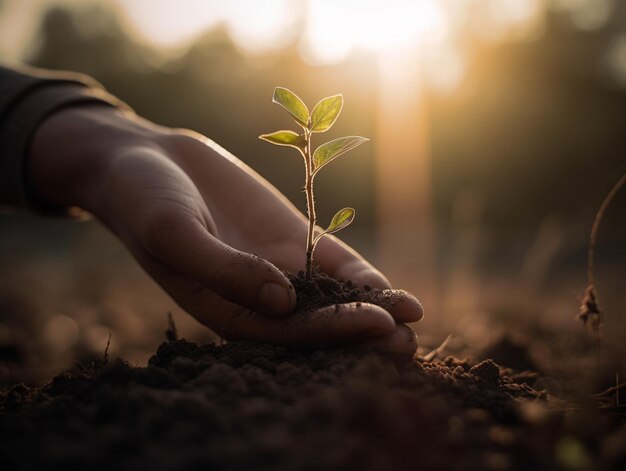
(27,97)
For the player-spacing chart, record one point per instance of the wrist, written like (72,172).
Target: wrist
(72,151)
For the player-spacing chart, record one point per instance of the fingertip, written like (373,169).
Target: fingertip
(406,340)
(403,306)
(277,299)
(255,283)
(409,307)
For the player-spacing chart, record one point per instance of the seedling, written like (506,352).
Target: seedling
(320,120)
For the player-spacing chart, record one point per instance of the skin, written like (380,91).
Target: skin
(209,230)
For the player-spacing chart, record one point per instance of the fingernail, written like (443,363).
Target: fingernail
(275,298)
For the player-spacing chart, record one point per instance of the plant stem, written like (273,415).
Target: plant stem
(310,204)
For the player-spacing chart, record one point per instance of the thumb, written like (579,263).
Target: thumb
(185,245)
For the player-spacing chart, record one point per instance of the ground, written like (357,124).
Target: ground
(253,406)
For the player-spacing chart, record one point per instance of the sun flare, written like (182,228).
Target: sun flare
(336,28)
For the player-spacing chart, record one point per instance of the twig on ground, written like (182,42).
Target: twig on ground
(613,390)
(437,351)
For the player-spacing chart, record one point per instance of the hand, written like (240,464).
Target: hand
(208,229)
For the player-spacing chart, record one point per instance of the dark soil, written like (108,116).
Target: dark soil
(247,405)
(322,290)
(252,406)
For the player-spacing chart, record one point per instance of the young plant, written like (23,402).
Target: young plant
(319,120)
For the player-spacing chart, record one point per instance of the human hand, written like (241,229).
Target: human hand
(208,229)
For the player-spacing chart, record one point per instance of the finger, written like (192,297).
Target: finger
(402,341)
(332,325)
(183,243)
(402,305)
(340,261)
(190,295)
(329,326)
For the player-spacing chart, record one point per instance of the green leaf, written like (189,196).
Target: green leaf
(342,218)
(292,103)
(333,149)
(325,113)
(284,138)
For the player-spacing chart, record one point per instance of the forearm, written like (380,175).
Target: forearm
(28,98)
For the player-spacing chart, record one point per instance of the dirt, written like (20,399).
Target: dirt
(246,405)
(322,290)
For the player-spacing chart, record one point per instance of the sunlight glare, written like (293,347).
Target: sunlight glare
(336,27)
(445,67)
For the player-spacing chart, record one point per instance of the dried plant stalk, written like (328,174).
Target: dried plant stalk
(589,312)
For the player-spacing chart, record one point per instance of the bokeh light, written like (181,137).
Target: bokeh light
(255,26)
